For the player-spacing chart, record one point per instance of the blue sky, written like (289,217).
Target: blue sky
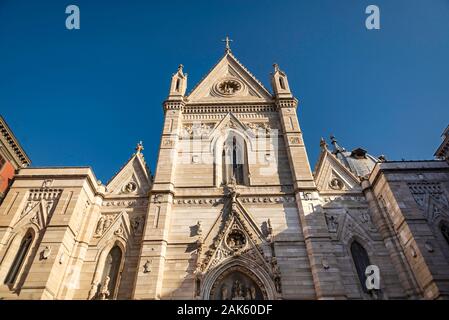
(86,97)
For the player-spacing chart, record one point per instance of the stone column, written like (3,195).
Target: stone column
(150,274)
(323,263)
(392,243)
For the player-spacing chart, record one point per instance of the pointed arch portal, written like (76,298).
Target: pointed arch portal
(236,284)
(238,279)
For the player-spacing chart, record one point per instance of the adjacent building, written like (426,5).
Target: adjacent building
(12,157)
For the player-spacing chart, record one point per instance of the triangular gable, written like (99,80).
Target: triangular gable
(328,169)
(350,227)
(230,121)
(37,212)
(234,219)
(229,69)
(112,224)
(133,178)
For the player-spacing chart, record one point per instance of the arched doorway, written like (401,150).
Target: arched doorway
(237,283)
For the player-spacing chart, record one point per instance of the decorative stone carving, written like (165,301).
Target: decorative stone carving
(269,230)
(47,183)
(104,291)
(147,266)
(259,128)
(237,283)
(332,223)
(336,184)
(130,187)
(45,253)
(199,229)
(413,252)
(196,130)
(61,258)
(137,224)
(236,240)
(119,231)
(429,197)
(100,226)
(295,140)
(45,197)
(429,246)
(228,87)
(168,143)
(325,263)
(93,290)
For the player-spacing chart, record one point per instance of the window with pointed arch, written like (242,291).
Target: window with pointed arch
(19,259)
(444,228)
(281,83)
(111,273)
(361,262)
(234,160)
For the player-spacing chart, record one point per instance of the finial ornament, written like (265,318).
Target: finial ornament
(180,68)
(337,147)
(276,67)
(227,46)
(323,143)
(139,147)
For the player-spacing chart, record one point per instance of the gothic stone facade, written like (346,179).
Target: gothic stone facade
(232,212)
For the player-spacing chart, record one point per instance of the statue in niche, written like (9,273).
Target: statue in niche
(250,293)
(199,229)
(237,291)
(147,266)
(236,286)
(108,221)
(100,226)
(277,284)
(332,224)
(104,292)
(137,224)
(224,292)
(93,290)
(46,253)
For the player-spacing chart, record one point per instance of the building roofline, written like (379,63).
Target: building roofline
(13,143)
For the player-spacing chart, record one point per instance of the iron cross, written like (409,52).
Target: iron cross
(227,40)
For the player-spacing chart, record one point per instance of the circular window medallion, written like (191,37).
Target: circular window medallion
(235,240)
(130,187)
(228,87)
(336,184)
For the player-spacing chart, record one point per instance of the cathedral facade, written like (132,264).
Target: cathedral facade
(233,211)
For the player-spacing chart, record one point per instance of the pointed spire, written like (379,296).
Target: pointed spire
(227,40)
(178,84)
(336,146)
(180,69)
(139,147)
(323,143)
(279,83)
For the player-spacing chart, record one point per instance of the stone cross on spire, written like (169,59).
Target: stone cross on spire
(228,41)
